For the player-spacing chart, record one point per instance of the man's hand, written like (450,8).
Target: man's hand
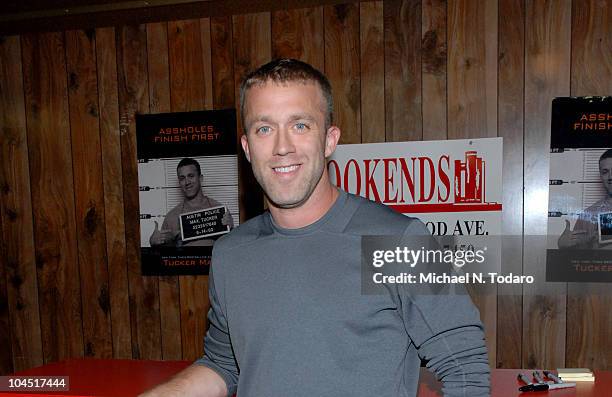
(193,381)
(573,238)
(160,237)
(227,220)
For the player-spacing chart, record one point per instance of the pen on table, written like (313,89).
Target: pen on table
(552,376)
(524,379)
(538,377)
(529,386)
(546,386)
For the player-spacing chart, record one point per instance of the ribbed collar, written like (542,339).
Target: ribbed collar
(334,212)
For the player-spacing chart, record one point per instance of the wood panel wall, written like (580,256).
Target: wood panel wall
(70,282)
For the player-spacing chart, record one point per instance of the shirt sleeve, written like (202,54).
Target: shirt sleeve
(445,327)
(218,353)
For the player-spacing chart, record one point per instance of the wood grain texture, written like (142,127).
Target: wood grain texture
(170,317)
(186,73)
(16,213)
(372,59)
(433,69)
(467,64)
(158,67)
(404,120)
(252,48)
(194,309)
(510,110)
(110,147)
(588,319)
(298,34)
(547,74)
(159,102)
(588,304)
(468,106)
(133,98)
(48,129)
(187,87)
(88,191)
(342,68)
(222,54)
(205,42)
(171,10)
(6,355)
(591,44)
(491,37)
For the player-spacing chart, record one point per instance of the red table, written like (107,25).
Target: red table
(90,377)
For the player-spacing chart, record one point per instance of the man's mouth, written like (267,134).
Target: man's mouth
(286,169)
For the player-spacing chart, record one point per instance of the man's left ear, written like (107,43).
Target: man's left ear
(245,146)
(331,140)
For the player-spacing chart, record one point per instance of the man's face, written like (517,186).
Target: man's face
(605,171)
(189,180)
(286,141)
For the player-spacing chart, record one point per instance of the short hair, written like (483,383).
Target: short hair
(288,70)
(189,161)
(606,155)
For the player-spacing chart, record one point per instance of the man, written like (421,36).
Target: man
(190,178)
(287,314)
(586,230)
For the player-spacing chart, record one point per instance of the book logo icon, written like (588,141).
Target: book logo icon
(469,179)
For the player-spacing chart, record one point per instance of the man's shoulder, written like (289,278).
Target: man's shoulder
(212,202)
(244,233)
(372,218)
(176,210)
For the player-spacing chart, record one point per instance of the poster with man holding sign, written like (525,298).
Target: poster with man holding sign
(188,177)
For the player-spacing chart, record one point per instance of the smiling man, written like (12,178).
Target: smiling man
(288,316)
(190,177)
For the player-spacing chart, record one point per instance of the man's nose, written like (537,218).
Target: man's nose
(283,143)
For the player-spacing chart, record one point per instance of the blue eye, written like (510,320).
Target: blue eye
(301,126)
(263,130)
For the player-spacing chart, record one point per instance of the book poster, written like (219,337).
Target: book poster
(579,244)
(453,186)
(188,188)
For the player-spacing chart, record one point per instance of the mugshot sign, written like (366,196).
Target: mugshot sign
(579,245)
(188,188)
(453,186)
(203,223)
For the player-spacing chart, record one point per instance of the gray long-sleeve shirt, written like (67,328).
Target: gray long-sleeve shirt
(288,316)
